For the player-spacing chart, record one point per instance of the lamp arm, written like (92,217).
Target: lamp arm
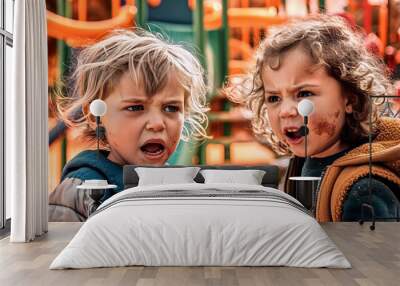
(98,134)
(305,136)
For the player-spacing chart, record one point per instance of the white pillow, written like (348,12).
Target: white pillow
(249,177)
(166,176)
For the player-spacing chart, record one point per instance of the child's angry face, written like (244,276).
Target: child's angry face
(297,78)
(143,129)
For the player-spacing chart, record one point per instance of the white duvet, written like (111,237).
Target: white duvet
(201,224)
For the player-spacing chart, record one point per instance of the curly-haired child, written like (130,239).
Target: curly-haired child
(322,59)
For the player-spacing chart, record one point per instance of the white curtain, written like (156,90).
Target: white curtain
(26,123)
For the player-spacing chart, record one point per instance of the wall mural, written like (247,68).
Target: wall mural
(104,50)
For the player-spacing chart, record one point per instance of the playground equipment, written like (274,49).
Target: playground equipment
(78,33)
(367,6)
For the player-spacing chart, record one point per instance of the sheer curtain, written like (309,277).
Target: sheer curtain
(26,123)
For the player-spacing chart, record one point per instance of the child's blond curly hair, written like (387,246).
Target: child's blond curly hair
(331,43)
(151,61)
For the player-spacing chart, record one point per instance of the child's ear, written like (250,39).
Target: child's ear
(349,108)
(349,104)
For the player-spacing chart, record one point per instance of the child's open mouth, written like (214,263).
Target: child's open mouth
(153,149)
(293,135)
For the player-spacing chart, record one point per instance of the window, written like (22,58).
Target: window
(6,44)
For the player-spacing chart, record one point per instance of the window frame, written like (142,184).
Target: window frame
(6,39)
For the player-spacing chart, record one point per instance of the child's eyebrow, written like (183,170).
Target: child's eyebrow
(292,89)
(302,86)
(130,100)
(271,91)
(144,100)
(173,102)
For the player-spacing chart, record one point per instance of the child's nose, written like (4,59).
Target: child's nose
(155,123)
(288,109)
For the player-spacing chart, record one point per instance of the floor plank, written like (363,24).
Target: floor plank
(374,255)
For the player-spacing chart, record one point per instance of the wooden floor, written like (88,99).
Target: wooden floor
(374,255)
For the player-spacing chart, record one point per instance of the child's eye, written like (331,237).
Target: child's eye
(272,99)
(138,107)
(305,93)
(171,108)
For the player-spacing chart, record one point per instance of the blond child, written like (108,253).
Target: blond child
(320,58)
(155,96)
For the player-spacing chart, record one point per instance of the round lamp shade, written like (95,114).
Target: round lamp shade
(305,107)
(98,107)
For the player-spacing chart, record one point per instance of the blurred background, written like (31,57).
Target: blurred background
(223,34)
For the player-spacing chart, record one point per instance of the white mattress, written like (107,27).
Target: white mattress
(201,224)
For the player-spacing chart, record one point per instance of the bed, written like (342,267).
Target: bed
(193,219)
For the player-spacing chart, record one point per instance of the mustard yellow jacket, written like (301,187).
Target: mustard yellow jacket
(339,177)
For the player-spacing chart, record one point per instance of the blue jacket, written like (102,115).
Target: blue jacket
(66,202)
